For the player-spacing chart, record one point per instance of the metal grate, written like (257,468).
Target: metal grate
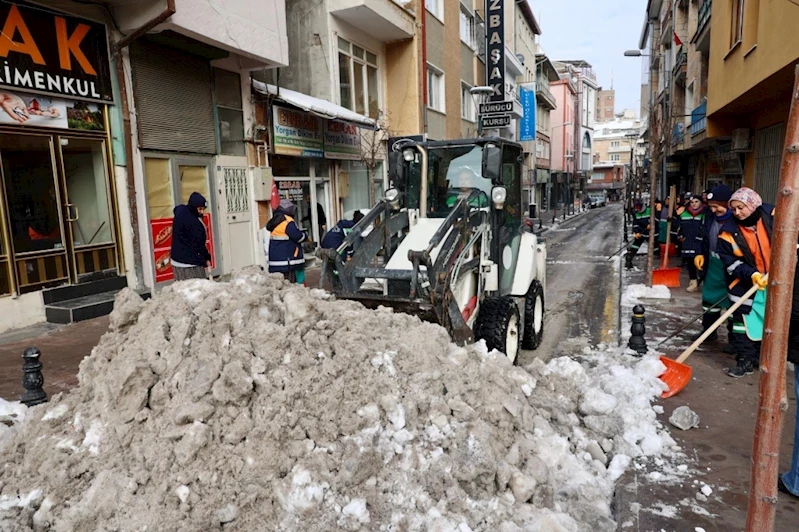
(174,99)
(768,155)
(237,190)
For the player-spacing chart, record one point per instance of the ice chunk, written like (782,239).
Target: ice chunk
(684,418)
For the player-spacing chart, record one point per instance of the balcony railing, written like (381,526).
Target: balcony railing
(704,16)
(542,89)
(699,119)
(664,24)
(682,59)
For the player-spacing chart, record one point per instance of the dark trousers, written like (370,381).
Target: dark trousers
(745,349)
(689,264)
(712,315)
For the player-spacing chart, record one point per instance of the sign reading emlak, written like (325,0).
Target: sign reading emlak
(495,48)
(49,53)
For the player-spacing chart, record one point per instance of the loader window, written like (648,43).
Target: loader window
(512,181)
(452,172)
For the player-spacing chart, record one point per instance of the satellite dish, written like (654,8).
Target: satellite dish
(520,57)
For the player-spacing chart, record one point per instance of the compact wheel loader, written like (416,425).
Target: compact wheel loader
(449,243)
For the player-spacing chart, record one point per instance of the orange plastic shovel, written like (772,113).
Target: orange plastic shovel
(678,375)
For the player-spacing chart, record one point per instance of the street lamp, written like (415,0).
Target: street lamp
(634,53)
(482,92)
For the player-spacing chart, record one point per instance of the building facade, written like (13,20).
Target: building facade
(614,150)
(605,105)
(546,106)
(563,145)
(123,124)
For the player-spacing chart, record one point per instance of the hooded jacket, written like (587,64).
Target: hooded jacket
(188,233)
(335,237)
(285,239)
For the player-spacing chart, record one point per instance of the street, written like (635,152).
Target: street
(582,292)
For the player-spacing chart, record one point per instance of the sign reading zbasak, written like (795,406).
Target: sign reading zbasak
(51,53)
(495,48)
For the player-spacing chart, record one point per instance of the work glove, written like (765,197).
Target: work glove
(637,236)
(699,262)
(760,280)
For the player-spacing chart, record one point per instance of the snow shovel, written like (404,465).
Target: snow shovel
(678,374)
(664,275)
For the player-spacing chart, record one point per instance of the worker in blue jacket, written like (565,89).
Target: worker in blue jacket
(690,224)
(335,237)
(285,244)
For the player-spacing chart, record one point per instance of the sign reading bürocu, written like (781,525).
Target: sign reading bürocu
(495,48)
(49,53)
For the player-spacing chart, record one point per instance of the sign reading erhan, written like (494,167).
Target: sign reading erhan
(54,54)
(495,48)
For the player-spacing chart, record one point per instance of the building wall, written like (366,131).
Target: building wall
(562,138)
(770,43)
(605,105)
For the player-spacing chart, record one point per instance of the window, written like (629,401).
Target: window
(357,76)
(436,7)
(467,103)
(614,144)
(435,88)
(737,22)
(229,112)
(615,157)
(468,29)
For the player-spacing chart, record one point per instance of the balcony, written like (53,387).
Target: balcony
(680,66)
(699,119)
(702,36)
(384,20)
(543,93)
(666,27)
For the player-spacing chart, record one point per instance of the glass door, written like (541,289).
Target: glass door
(36,251)
(87,205)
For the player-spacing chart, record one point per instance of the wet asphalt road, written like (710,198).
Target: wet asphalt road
(582,292)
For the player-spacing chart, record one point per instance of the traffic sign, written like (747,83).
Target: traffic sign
(490,122)
(496,108)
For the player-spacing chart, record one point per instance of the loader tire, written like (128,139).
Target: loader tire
(533,316)
(498,325)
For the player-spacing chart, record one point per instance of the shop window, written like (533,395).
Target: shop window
(358,85)
(357,177)
(229,111)
(435,88)
(159,188)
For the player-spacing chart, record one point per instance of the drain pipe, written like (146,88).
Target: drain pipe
(128,131)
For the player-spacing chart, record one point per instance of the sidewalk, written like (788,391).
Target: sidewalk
(719,451)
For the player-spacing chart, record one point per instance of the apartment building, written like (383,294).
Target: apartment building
(614,146)
(563,120)
(605,105)
(149,103)
(546,106)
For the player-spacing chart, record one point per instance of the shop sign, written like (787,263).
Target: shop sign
(527,127)
(297,133)
(342,141)
(42,111)
(291,190)
(54,54)
(673,167)
(495,48)
(161,230)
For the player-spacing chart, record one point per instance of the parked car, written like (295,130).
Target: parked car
(597,200)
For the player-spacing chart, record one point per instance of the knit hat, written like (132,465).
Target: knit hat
(287,207)
(720,193)
(638,204)
(748,197)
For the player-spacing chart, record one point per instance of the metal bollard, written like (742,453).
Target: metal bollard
(637,342)
(32,379)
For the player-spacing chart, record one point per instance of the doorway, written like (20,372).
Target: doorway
(56,215)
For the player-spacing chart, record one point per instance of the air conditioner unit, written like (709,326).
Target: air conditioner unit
(741,140)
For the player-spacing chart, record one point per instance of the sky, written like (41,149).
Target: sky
(597,31)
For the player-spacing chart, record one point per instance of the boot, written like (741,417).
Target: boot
(628,260)
(743,368)
(693,286)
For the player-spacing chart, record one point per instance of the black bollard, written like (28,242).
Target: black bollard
(637,330)
(32,379)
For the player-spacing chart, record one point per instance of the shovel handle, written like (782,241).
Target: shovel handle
(718,322)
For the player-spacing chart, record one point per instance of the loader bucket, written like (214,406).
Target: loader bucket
(677,376)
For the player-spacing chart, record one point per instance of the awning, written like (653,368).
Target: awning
(313,105)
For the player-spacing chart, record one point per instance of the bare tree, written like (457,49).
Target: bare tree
(373,150)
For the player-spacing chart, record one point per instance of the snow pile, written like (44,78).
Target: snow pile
(261,405)
(635,292)
(11,414)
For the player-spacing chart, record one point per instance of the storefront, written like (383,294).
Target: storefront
(58,208)
(317,158)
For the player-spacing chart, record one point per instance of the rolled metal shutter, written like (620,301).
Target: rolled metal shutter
(768,157)
(174,101)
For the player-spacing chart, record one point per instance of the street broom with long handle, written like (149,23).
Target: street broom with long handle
(678,374)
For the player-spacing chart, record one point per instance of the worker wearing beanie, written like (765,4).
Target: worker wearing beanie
(709,265)
(641,232)
(689,226)
(744,246)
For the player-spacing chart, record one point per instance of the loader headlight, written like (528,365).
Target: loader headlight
(498,196)
(392,197)
(409,154)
